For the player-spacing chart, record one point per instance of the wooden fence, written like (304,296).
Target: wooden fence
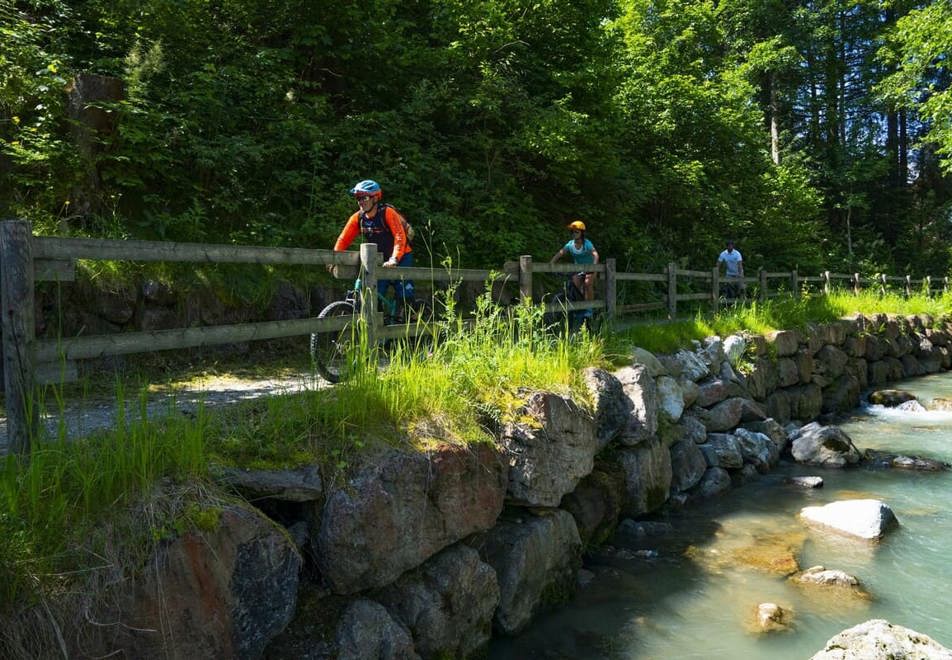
(26,259)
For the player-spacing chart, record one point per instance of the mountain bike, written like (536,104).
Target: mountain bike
(575,318)
(332,353)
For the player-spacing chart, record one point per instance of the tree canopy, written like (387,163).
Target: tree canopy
(817,134)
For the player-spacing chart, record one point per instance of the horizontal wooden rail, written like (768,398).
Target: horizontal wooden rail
(812,278)
(567,268)
(45,247)
(162,340)
(702,274)
(404,330)
(840,276)
(641,307)
(776,275)
(574,306)
(641,277)
(895,278)
(438,274)
(693,296)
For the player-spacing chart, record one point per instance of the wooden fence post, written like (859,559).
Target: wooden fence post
(945,284)
(763,285)
(611,289)
(857,284)
(672,289)
(794,283)
(827,287)
(882,284)
(368,290)
(928,282)
(716,287)
(525,278)
(908,286)
(16,298)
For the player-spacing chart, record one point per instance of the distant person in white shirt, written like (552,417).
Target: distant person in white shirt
(734,270)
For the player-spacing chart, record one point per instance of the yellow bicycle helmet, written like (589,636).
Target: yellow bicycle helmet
(576,224)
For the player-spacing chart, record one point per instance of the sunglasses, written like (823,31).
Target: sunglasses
(364,198)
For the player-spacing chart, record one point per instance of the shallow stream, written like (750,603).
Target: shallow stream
(694,594)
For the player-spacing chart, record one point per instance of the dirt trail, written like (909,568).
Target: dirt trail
(82,417)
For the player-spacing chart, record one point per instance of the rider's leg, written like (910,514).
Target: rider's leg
(589,286)
(404,291)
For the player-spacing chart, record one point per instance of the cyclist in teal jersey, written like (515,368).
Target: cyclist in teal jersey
(583,252)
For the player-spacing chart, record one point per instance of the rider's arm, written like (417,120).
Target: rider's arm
(740,267)
(558,255)
(348,234)
(392,218)
(595,255)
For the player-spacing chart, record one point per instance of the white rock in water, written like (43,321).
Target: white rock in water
(866,519)
(878,639)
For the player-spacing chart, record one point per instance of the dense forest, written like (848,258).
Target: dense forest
(816,133)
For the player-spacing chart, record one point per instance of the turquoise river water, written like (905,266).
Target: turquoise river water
(696,598)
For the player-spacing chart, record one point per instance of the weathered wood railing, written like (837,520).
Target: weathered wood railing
(26,259)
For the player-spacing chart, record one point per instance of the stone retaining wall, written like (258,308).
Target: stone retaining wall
(428,555)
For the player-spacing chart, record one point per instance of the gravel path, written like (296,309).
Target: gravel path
(85,416)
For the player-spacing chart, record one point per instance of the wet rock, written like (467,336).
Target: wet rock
(366,630)
(824,577)
(772,429)
(402,507)
(642,393)
(865,519)
(535,559)
(722,450)
(633,532)
(772,553)
(890,398)
(881,459)
(687,465)
(771,617)
(715,481)
(940,403)
(757,449)
(597,502)
(548,457)
(806,482)
(827,446)
(647,476)
(447,604)
(878,639)
(612,407)
(298,485)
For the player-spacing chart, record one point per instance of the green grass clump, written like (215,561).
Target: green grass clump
(776,314)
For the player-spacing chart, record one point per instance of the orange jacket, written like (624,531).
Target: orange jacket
(393,221)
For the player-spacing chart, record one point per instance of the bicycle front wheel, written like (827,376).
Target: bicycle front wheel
(330,351)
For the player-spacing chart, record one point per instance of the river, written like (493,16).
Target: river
(689,596)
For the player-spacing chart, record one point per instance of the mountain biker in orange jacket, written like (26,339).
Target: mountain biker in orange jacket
(382,225)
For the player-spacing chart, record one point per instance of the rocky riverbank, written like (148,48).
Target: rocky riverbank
(429,554)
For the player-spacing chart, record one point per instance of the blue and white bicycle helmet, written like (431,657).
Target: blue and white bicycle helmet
(367,187)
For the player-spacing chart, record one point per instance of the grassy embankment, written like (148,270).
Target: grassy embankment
(55,508)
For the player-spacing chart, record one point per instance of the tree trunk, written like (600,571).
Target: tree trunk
(774,120)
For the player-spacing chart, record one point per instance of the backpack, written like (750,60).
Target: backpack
(407,227)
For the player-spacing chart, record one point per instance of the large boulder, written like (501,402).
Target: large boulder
(291,485)
(670,398)
(647,477)
(715,481)
(612,406)
(878,639)
(686,364)
(734,348)
(447,604)
(890,398)
(535,559)
(827,446)
(642,392)
(714,391)
(687,465)
(772,429)
(865,519)
(366,630)
(597,502)
(784,342)
(216,592)
(693,429)
(722,450)
(820,576)
(551,452)
(401,508)
(649,361)
(757,449)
